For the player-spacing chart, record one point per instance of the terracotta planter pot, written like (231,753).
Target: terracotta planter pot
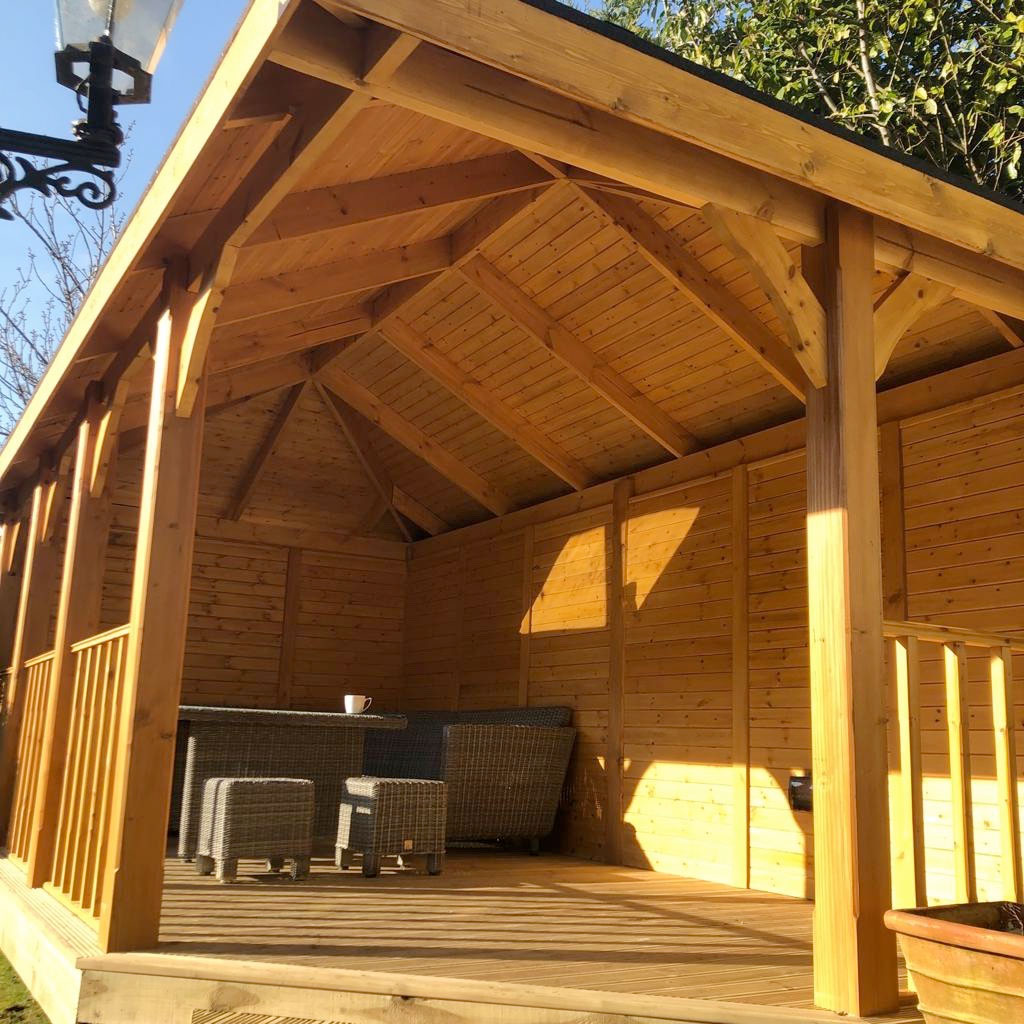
(964,969)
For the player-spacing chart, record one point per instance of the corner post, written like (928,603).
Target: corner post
(133,886)
(78,617)
(854,955)
(32,624)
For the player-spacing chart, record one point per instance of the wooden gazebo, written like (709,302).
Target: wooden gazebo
(475,354)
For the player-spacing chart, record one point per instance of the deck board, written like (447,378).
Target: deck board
(504,917)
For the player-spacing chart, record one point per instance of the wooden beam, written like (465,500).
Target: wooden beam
(417,512)
(303,214)
(419,349)
(900,310)
(740,520)
(894,528)
(256,468)
(304,141)
(596,70)
(415,440)
(764,255)
(854,954)
(958,732)
(358,439)
(1009,327)
(12,555)
(1004,729)
(910,876)
(141,784)
(619,608)
(250,299)
(538,324)
(674,261)
(79,609)
(289,628)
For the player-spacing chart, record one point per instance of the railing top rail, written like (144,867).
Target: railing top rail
(100,638)
(931,632)
(38,659)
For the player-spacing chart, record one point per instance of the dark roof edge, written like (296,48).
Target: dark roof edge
(620,35)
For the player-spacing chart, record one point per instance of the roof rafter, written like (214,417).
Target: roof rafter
(802,315)
(900,309)
(674,261)
(361,444)
(266,450)
(298,147)
(407,434)
(418,513)
(1009,327)
(540,325)
(419,349)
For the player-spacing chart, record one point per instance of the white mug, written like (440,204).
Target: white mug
(356,703)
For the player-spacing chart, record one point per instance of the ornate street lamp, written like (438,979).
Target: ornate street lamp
(107,51)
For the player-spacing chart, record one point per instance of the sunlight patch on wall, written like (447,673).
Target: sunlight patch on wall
(663,533)
(573,592)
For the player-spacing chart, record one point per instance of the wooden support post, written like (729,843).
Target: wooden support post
(958,728)
(289,627)
(1003,704)
(894,541)
(12,556)
(31,629)
(740,677)
(910,879)
(78,617)
(618,604)
(133,888)
(854,954)
(526,620)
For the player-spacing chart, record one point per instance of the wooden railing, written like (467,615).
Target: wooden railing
(80,847)
(35,693)
(910,883)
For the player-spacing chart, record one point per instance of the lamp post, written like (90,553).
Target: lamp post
(107,51)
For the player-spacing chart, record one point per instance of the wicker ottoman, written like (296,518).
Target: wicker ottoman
(388,817)
(268,819)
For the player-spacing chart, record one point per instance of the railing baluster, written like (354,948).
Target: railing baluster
(958,729)
(911,887)
(1001,674)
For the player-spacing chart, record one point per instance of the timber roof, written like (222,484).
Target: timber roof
(489,257)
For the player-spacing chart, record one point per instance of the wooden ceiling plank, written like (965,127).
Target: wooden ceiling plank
(415,440)
(419,350)
(256,468)
(568,349)
(905,304)
(302,214)
(418,513)
(674,261)
(358,439)
(802,315)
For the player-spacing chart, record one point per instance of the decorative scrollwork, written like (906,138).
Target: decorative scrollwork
(19,173)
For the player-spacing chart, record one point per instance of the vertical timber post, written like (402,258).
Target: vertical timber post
(78,617)
(133,888)
(31,628)
(854,954)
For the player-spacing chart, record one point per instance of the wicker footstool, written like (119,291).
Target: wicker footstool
(387,817)
(268,819)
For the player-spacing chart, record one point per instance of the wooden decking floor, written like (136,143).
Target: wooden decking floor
(505,917)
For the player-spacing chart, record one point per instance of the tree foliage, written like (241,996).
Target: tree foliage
(67,246)
(940,79)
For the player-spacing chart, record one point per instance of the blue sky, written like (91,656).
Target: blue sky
(34,102)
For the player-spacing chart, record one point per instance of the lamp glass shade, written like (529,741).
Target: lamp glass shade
(138,28)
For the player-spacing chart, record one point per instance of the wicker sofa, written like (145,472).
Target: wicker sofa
(505,768)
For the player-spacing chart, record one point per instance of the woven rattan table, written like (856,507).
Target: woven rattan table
(236,742)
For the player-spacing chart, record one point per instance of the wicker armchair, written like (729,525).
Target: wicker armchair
(504,781)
